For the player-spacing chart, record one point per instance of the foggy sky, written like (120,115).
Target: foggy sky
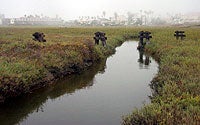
(71,9)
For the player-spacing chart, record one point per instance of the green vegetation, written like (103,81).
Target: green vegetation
(176,88)
(26,64)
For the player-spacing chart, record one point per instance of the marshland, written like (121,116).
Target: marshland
(38,77)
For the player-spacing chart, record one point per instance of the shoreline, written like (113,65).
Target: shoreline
(56,73)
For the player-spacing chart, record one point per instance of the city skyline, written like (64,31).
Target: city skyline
(69,10)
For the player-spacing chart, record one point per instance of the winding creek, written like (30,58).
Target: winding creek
(99,96)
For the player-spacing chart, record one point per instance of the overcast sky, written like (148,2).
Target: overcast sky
(71,9)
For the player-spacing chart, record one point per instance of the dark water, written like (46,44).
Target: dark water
(99,96)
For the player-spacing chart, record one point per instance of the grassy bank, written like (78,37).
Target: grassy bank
(26,65)
(176,88)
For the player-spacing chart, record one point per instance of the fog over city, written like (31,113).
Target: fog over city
(72,9)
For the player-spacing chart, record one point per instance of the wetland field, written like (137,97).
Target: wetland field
(26,66)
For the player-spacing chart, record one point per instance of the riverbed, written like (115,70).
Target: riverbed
(100,95)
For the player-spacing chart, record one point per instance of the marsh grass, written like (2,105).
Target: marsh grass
(176,87)
(24,63)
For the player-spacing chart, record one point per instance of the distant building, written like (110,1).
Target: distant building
(36,20)
(119,20)
(7,21)
(33,20)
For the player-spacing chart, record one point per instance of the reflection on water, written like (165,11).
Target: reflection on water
(99,96)
(144,60)
(17,110)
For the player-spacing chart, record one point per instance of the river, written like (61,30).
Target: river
(100,95)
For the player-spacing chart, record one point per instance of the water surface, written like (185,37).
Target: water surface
(99,96)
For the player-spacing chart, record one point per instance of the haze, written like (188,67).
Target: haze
(71,9)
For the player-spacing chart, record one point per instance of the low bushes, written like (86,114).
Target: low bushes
(26,65)
(176,87)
